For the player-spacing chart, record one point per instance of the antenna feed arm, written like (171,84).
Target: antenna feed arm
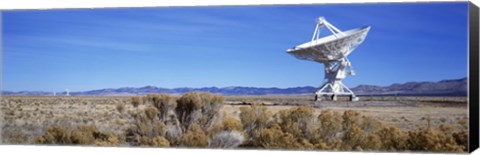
(321,21)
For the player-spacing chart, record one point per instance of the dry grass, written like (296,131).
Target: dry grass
(202,120)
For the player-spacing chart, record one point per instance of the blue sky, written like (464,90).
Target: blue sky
(85,49)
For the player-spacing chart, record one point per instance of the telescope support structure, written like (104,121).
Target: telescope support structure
(335,70)
(332,52)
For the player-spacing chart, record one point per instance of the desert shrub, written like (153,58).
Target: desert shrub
(157,124)
(145,128)
(226,139)
(359,132)
(232,124)
(157,141)
(82,135)
(211,105)
(433,141)
(164,103)
(274,138)
(107,139)
(17,137)
(372,142)
(464,122)
(370,124)
(173,133)
(392,139)
(120,107)
(462,139)
(188,109)
(194,137)
(352,131)
(160,141)
(330,125)
(353,138)
(350,118)
(254,118)
(151,112)
(136,101)
(297,121)
(333,145)
(198,107)
(54,135)
(228,124)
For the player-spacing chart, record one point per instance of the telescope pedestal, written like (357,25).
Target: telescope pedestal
(335,72)
(333,90)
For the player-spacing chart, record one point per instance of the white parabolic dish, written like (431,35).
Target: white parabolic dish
(330,48)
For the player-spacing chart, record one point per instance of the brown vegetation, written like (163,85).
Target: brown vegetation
(83,135)
(195,120)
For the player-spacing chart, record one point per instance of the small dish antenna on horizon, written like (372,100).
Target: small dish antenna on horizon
(67,92)
(332,51)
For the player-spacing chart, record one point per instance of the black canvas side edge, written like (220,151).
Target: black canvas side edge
(473,138)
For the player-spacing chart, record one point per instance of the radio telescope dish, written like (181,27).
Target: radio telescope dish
(332,51)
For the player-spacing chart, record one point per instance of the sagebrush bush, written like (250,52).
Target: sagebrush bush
(461,138)
(297,121)
(198,107)
(211,105)
(354,138)
(232,124)
(173,133)
(432,140)
(370,124)
(17,137)
(172,119)
(136,101)
(228,124)
(188,109)
(107,139)
(392,139)
(82,135)
(54,135)
(160,141)
(330,125)
(226,139)
(145,128)
(120,107)
(274,138)
(151,112)
(254,118)
(164,103)
(350,118)
(194,137)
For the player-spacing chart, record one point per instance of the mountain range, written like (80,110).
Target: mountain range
(455,87)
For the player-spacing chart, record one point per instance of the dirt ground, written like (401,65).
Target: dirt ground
(32,114)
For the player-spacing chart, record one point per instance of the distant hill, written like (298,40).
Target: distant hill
(128,91)
(215,90)
(457,87)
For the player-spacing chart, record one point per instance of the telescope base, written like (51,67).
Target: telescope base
(331,91)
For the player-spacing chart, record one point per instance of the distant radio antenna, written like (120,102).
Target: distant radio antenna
(67,92)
